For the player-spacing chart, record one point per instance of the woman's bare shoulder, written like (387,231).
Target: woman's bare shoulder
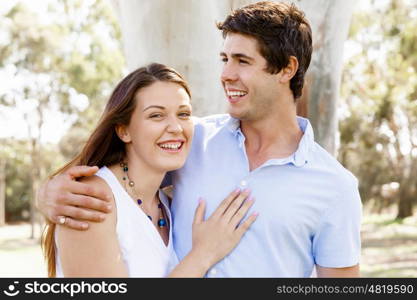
(96,182)
(78,249)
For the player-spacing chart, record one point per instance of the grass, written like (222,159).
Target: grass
(20,256)
(389,248)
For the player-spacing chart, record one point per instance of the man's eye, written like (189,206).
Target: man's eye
(243,61)
(224,59)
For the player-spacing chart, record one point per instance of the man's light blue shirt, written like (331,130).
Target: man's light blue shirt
(308,203)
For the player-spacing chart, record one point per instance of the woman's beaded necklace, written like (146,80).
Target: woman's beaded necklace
(162,221)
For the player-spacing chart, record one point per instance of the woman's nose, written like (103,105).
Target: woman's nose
(174,126)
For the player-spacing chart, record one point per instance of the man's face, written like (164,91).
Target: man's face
(251,92)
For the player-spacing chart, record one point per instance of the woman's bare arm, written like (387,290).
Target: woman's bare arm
(95,252)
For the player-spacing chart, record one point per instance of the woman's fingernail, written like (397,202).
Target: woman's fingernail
(200,200)
(237,190)
(251,198)
(247,191)
(84,225)
(255,214)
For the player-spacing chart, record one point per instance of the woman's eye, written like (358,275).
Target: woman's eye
(155,116)
(243,61)
(184,114)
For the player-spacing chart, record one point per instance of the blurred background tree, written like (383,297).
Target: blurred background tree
(63,61)
(378,119)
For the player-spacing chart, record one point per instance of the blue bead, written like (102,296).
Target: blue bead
(150,218)
(139,201)
(162,222)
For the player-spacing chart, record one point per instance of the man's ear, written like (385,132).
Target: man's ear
(289,71)
(123,133)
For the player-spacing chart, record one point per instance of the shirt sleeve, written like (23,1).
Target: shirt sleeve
(337,242)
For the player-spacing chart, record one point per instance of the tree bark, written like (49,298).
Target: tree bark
(405,169)
(182,34)
(408,189)
(406,198)
(330,22)
(404,208)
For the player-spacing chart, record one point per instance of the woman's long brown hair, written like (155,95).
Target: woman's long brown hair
(103,147)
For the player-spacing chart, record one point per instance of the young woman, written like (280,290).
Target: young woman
(145,131)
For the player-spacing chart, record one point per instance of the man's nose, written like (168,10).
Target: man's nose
(228,73)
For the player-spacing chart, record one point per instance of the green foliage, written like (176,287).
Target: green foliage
(379,88)
(18,180)
(70,51)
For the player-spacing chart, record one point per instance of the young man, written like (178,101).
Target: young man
(309,206)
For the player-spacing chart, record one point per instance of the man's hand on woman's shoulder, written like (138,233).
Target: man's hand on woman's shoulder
(66,201)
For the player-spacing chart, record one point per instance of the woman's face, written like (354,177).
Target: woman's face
(160,129)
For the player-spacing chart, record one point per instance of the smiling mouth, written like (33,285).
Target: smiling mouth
(171,146)
(235,96)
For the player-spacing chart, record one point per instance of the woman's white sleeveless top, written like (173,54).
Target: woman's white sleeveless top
(143,250)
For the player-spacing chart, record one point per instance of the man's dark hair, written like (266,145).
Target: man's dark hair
(281,31)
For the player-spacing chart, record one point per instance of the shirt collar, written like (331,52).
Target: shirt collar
(302,154)
(299,158)
(233,125)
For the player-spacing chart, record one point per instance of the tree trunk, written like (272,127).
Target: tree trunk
(34,179)
(182,34)
(405,204)
(330,22)
(2,191)
(35,156)
(408,189)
